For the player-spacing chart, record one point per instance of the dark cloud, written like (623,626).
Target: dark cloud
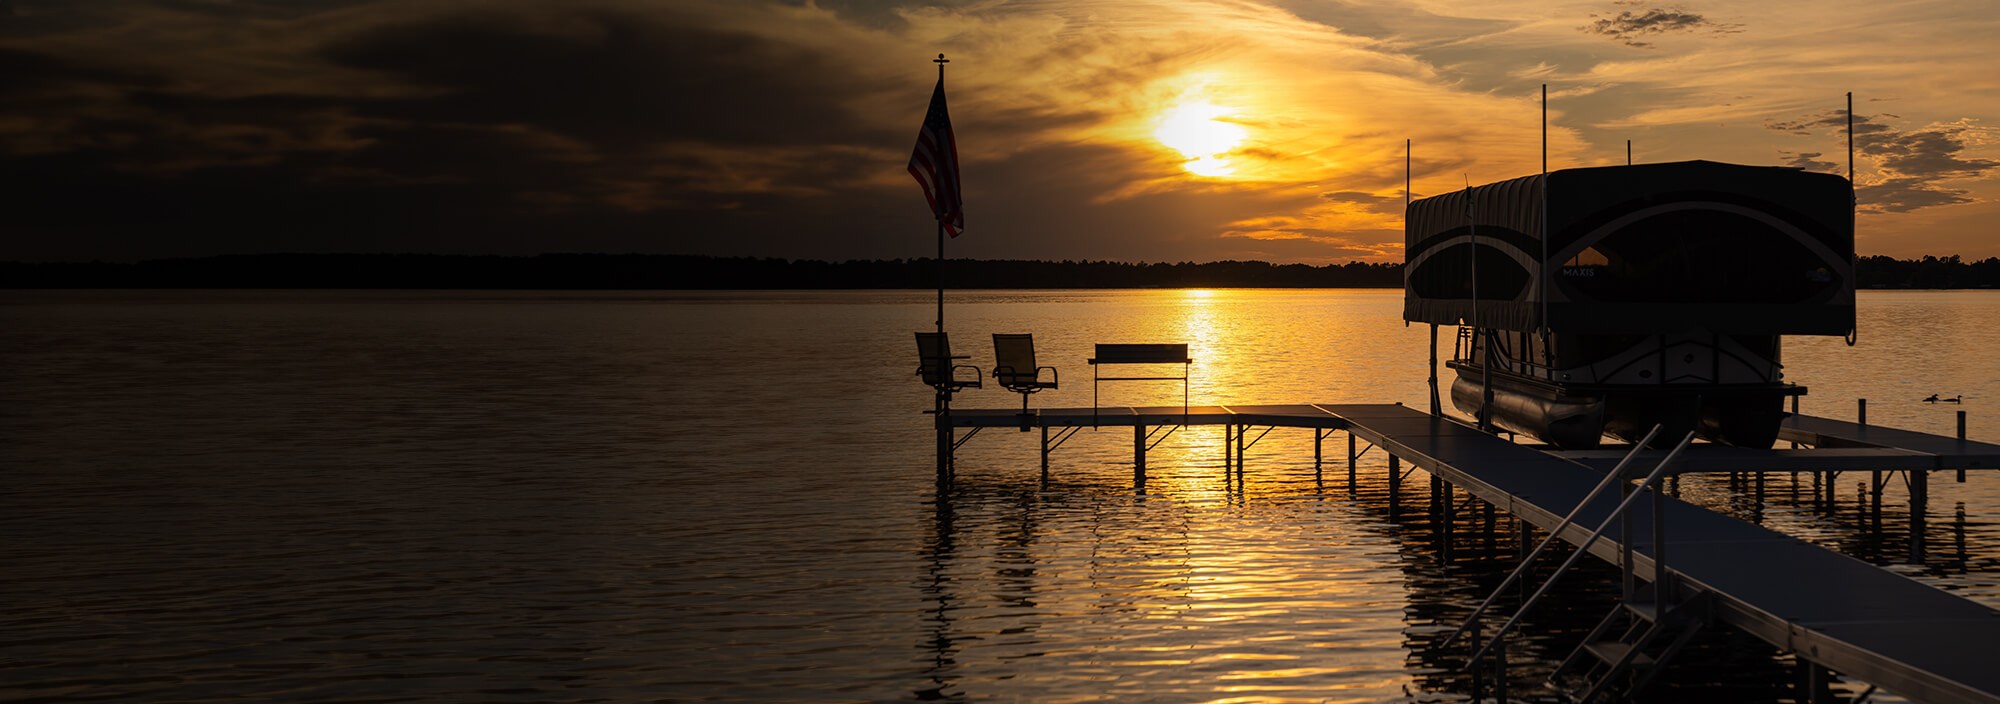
(1904,194)
(1809,161)
(1628,26)
(1912,161)
(538,128)
(1829,120)
(1929,153)
(616,79)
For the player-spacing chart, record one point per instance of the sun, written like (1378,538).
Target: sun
(1203,133)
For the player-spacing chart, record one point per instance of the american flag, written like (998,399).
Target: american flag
(935,165)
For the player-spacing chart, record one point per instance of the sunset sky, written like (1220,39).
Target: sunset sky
(1127,130)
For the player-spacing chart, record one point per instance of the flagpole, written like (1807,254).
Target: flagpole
(940,61)
(940,268)
(945,439)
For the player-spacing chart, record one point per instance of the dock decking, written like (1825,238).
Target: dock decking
(1832,610)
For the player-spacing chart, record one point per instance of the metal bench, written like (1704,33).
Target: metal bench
(1139,354)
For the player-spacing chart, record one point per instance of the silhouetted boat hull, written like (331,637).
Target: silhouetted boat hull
(1570,390)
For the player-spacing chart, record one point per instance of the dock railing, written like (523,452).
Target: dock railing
(1615,475)
(1659,559)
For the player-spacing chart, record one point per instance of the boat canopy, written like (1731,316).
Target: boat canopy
(1646,249)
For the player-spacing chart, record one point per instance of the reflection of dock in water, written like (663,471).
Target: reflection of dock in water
(1831,610)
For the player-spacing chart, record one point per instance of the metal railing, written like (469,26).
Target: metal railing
(1584,547)
(1616,474)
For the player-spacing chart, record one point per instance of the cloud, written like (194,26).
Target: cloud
(1932,152)
(1628,26)
(1809,161)
(1905,194)
(1367,202)
(138,128)
(1910,163)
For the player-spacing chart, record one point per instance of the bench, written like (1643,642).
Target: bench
(1139,354)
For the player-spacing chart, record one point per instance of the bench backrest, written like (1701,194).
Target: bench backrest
(1142,354)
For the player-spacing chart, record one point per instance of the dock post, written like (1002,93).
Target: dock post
(1436,509)
(1818,683)
(1861,411)
(1795,443)
(1317,454)
(1920,496)
(1395,483)
(1449,514)
(1138,451)
(1241,433)
(1045,453)
(1875,496)
(1961,438)
(1760,498)
(1350,460)
(1228,447)
(941,427)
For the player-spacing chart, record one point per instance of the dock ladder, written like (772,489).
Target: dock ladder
(1650,624)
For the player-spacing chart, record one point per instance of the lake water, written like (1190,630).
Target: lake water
(392,496)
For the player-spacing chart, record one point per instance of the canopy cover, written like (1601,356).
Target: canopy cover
(1647,249)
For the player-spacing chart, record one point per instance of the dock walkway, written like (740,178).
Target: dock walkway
(1832,610)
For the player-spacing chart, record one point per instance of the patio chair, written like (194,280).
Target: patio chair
(934,364)
(1014,366)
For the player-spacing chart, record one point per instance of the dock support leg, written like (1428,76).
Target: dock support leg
(1961,438)
(1818,683)
(1448,514)
(1760,499)
(1045,454)
(1138,453)
(1318,439)
(941,417)
(1350,461)
(1395,483)
(1920,495)
(1241,433)
(1875,496)
(1228,448)
(1436,509)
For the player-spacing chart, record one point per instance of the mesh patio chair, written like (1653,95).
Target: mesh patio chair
(934,364)
(1014,366)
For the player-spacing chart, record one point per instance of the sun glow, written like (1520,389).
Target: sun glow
(1204,134)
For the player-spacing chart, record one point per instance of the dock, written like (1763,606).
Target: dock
(1831,610)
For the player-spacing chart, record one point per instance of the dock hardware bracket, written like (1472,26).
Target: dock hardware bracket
(1152,442)
(968,436)
(1260,436)
(1062,436)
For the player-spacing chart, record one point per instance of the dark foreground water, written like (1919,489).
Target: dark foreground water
(383,496)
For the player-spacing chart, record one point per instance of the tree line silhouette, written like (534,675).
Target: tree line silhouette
(657,271)
(652,271)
